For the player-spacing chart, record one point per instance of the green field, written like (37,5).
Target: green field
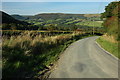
(91,23)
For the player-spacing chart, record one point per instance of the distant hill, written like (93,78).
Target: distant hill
(92,15)
(10,23)
(58,15)
(46,21)
(19,17)
(7,19)
(53,16)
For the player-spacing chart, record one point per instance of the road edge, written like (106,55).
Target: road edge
(106,51)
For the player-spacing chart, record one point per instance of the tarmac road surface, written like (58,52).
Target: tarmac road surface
(85,59)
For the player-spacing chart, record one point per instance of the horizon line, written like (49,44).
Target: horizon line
(52,13)
(46,13)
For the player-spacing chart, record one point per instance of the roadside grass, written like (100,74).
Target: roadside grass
(109,46)
(28,55)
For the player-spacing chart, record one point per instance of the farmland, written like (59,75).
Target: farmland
(59,21)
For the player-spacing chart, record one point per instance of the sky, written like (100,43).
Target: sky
(33,8)
(57,0)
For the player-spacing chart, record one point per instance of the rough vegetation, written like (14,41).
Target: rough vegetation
(28,54)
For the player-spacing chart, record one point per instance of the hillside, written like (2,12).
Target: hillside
(7,19)
(10,23)
(52,21)
(61,19)
(18,17)
(49,16)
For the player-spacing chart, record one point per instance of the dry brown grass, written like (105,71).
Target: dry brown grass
(109,38)
(26,36)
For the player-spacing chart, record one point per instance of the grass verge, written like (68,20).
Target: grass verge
(109,46)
